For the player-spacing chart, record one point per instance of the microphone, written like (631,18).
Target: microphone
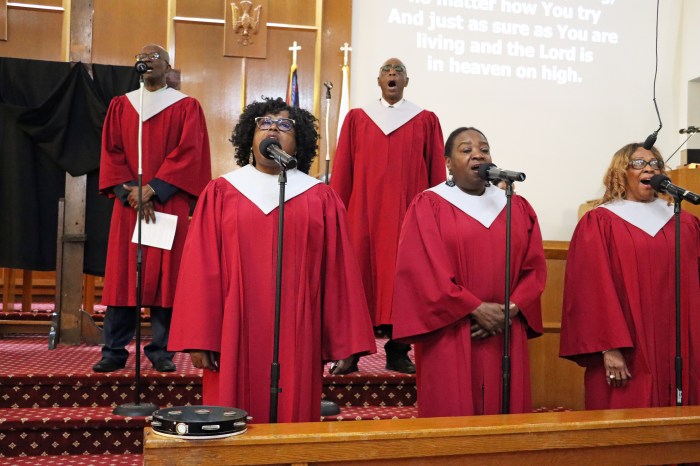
(490,172)
(270,148)
(651,140)
(689,130)
(329,86)
(662,184)
(141,67)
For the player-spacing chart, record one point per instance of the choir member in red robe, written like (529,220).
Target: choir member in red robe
(225,302)
(387,153)
(449,290)
(176,167)
(619,311)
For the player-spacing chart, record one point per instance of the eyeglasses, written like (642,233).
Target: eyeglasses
(397,68)
(283,124)
(144,56)
(638,164)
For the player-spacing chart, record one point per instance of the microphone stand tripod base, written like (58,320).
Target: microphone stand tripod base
(133,409)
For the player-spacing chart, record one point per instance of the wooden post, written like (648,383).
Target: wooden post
(71,241)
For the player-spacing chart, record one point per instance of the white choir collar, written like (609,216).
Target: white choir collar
(388,105)
(156,101)
(390,119)
(649,217)
(263,189)
(484,208)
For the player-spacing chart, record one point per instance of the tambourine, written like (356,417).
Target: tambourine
(199,422)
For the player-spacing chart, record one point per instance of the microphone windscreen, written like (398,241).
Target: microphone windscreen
(651,140)
(141,67)
(266,143)
(484,170)
(658,182)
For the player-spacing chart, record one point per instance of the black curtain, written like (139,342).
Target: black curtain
(51,116)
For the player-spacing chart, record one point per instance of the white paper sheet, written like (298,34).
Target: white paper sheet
(160,234)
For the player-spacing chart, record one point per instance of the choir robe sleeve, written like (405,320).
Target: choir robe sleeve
(188,165)
(347,328)
(532,275)
(114,169)
(342,177)
(592,316)
(426,294)
(435,152)
(199,298)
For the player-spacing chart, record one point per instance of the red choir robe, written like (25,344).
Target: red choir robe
(619,292)
(175,150)
(226,294)
(448,263)
(378,171)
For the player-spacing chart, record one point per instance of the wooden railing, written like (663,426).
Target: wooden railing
(635,436)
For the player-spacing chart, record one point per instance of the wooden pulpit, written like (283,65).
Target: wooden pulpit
(687,177)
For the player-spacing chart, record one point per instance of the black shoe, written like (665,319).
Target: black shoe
(108,365)
(352,368)
(397,357)
(400,364)
(164,365)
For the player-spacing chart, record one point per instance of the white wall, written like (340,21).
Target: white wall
(562,133)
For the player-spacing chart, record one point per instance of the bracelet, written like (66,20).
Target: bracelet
(151,188)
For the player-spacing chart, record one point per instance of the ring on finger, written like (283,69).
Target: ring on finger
(612,376)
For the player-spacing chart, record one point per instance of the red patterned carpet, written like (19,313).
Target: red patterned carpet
(55,410)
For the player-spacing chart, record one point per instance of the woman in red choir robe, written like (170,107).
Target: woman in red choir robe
(619,293)
(449,292)
(224,310)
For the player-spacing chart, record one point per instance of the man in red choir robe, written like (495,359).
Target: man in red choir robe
(387,152)
(225,303)
(176,167)
(449,292)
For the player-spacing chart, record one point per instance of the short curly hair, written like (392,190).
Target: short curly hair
(305,130)
(615,179)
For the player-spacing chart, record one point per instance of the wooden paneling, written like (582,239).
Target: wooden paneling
(51,3)
(212,9)
(634,436)
(3,19)
(555,381)
(302,12)
(33,33)
(336,31)
(122,27)
(269,77)
(688,178)
(215,80)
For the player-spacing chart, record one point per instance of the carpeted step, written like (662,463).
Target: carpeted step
(34,377)
(68,431)
(74,460)
(375,388)
(360,413)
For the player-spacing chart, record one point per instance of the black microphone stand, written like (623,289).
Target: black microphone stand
(679,357)
(275,369)
(137,408)
(329,86)
(505,363)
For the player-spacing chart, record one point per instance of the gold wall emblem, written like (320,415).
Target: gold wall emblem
(245,20)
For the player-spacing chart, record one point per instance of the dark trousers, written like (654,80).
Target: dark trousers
(120,326)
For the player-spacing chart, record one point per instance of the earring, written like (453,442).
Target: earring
(251,158)
(450,182)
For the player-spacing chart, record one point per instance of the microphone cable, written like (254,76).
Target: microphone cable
(651,139)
